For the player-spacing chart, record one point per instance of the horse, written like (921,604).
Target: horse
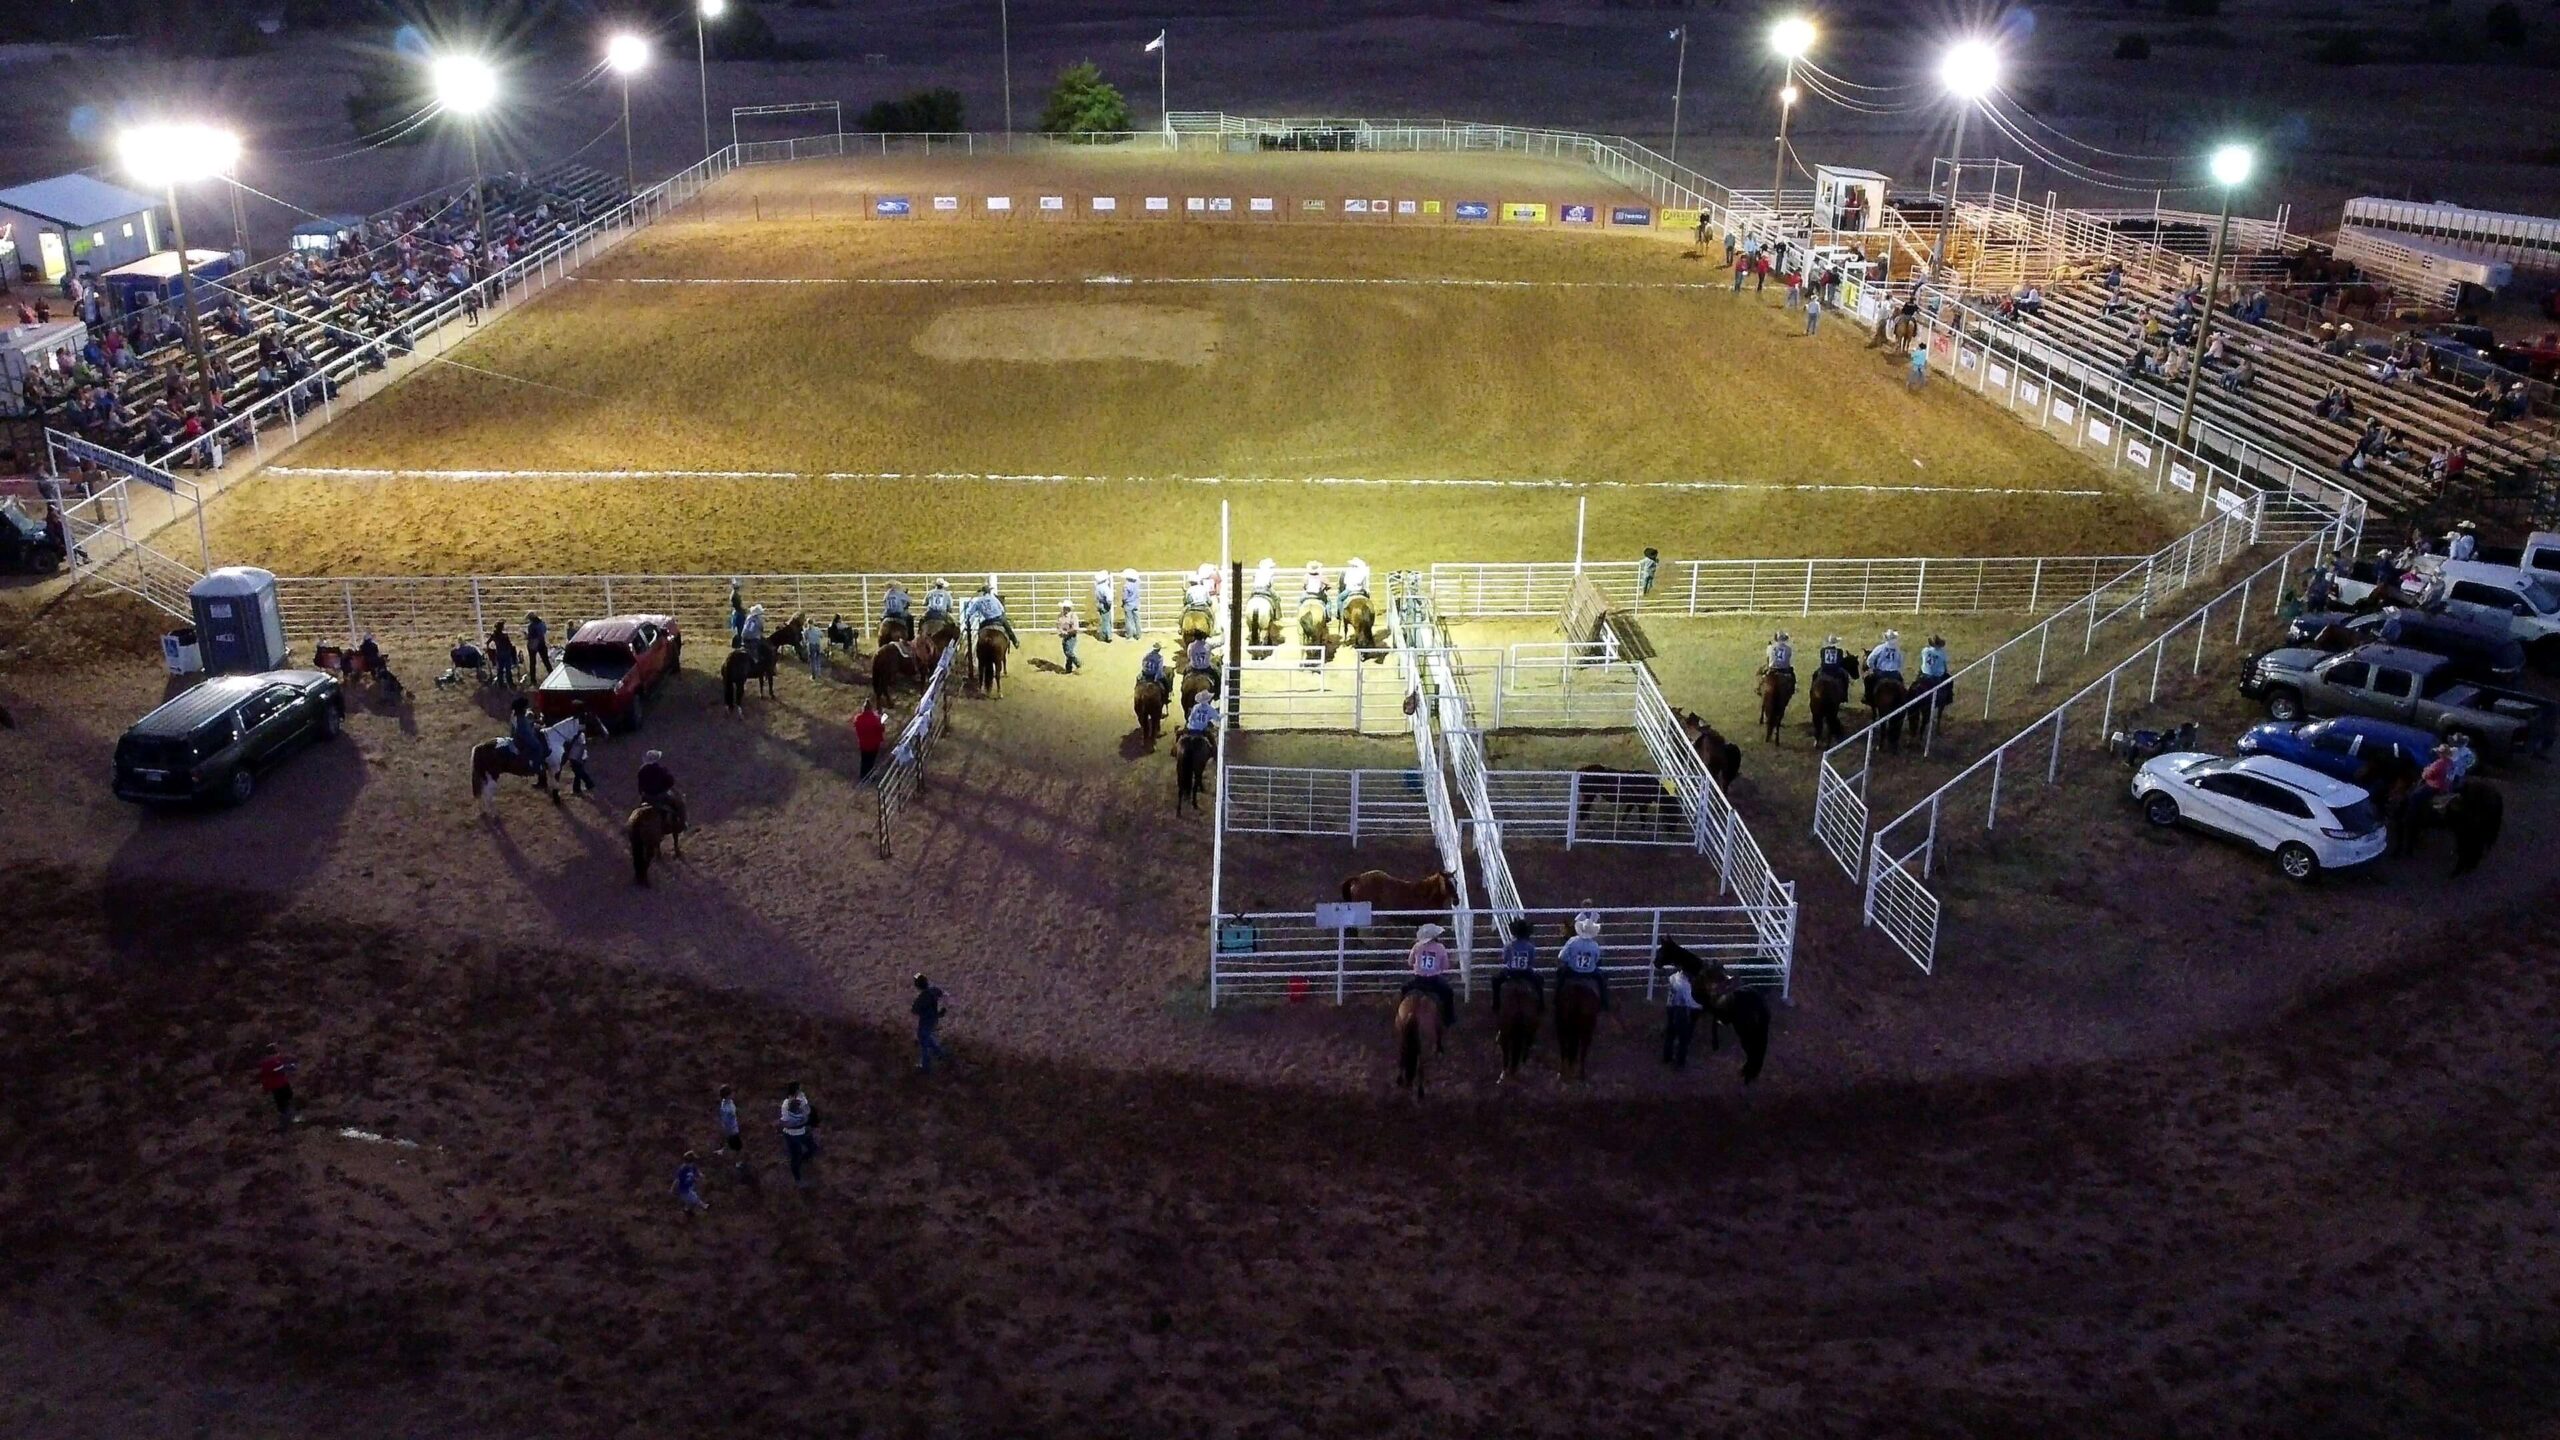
(1261,621)
(1722,757)
(735,671)
(1315,630)
(786,640)
(1417,1039)
(1884,700)
(893,663)
(493,758)
(1148,701)
(1828,695)
(1360,623)
(1434,892)
(1577,1020)
(1725,1003)
(2476,814)
(1516,1024)
(647,826)
(1777,692)
(893,629)
(1192,755)
(993,646)
(1637,795)
(1195,685)
(1198,623)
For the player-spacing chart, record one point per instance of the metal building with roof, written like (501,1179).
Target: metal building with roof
(78,220)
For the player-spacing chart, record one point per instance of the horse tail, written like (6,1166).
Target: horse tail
(1408,1044)
(1347,888)
(1751,1025)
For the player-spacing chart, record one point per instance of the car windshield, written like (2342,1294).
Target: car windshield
(2359,818)
(597,657)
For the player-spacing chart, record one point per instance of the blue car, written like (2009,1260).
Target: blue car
(2350,747)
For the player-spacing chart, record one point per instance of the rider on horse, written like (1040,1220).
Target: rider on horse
(896,606)
(988,609)
(658,785)
(1196,659)
(1200,592)
(1933,667)
(1834,657)
(751,629)
(524,737)
(1782,656)
(1314,588)
(1355,581)
(1203,717)
(1151,666)
(1263,576)
(1885,659)
(1430,960)
(1519,963)
(937,606)
(1579,961)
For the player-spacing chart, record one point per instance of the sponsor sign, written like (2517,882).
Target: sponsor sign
(1407,207)
(1159,203)
(1475,210)
(2100,432)
(2029,392)
(892,205)
(112,461)
(946,202)
(1523,212)
(1221,204)
(1578,215)
(1194,203)
(1053,202)
(1964,360)
(2138,452)
(2181,477)
(1630,215)
(1999,373)
(2227,500)
(1682,220)
(1429,207)
(1355,207)
(1106,202)
(1343,914)
(2063,411)
(1311,206)
(999,202)
(1377,207)
(1261,204)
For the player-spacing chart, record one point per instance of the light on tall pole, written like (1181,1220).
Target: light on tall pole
(1791,38)
(1162,55)
(1968,71)
(465,86)
(627,54)
(1679,82)
(2230,166)
(1004,39)
(165,157)
(705,10)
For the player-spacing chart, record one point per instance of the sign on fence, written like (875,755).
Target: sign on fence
(1343,914)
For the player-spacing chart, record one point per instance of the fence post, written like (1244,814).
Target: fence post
(1572,806)
(1991,812)
(1694,568)
(1653,971)
(2035,588)
(608,596)
(1355,809)
(1920,586)
(1341,965)
(479,623)
(1808,587)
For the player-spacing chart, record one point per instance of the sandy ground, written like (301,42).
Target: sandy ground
(1028,424)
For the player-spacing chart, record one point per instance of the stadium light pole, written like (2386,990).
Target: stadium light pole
(1164,55)
(165,157)
(2230,166)
(627,54)
(706,10)
(465,86)
(1679,82)
(1004,42)
(1791,38)
(1968,72)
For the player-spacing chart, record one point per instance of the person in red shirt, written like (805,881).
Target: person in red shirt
(275,1076)
(868,731)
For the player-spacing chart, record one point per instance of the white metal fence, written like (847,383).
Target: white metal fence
(1354,804)
(1900,857)
(1287,956)
(903,773)
(2026,585)
(1353,694)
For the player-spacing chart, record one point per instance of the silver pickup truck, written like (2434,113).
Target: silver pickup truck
(2389,682)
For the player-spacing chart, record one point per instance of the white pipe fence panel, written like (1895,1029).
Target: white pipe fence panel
(899,776)
(1353,694)
(1571,807)
(1542,689)
(1286,956)
(1355,804)
(1952,585)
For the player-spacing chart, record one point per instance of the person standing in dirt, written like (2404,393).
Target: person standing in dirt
(537,647)
(799,1147)
(574,754)
(1679,1018)
(1130,593)
(275,1076)
(502,653)
(688,1187)
(868,731)
(1102,605)
(730,1139)
(928,1009)
(1068,627)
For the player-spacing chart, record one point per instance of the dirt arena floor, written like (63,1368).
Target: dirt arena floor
(1026,396)
(2264,1160)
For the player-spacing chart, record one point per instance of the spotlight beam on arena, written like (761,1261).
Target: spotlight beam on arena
(627,55)
(465,87)
(165,157)
(2230,166)
(713,10)
(1968,71)
(1791,38)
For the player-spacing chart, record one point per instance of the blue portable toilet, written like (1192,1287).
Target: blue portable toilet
(239,629)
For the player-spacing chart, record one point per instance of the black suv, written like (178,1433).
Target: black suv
(215,738)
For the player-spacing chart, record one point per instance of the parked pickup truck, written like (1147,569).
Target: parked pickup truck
(2390,682)
(2475,635)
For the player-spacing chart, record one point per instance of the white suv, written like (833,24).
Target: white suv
(2308,820)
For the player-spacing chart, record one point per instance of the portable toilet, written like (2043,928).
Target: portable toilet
(239,629)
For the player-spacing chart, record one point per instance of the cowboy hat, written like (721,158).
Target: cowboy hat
(1428,932)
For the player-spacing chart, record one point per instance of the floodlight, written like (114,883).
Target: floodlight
(1787,95)
(626,53)
(714,9)
(1791,37)
(464,84)
(2231,165)
(1969,70)
(164,155)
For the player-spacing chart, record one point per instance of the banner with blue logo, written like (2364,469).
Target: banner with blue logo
(1630,215)
(1577,215)
(892,205)
(1475,210)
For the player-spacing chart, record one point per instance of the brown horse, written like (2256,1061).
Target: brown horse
(1417,1040)
(1722,757)
(1516,1023)
(1577,1020)
(647,826)
(1360,624)
(1828,695)
(492,758)
(1148,701)
(893,629)
(892,664)
(1777,692)
(993,646)
(1637,796)
(1195,685)
(736,669)
(1434,892)
(1884,700)
(1191,758)
(1725,1003)
(787,639)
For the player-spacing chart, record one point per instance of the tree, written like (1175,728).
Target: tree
(2504,25)
(1083,103)
(924,112)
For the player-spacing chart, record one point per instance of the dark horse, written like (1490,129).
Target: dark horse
(1828,694)
(1725,1004)
(1148,701)
(993,646)
(1722,757)
(1516,1023)
(1637,796)
(1884,699)
(736,669)
(1777,692)
(1417,1039)
(1191,758)
(647,827)
(1577,1020)
(2475,814)
(891,664)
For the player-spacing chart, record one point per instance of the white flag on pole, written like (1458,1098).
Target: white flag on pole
(1155,44)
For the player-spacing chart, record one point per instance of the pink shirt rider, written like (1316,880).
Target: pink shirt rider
(1430,960)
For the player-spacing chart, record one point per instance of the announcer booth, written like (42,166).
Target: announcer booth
(1846,199)
(154,279)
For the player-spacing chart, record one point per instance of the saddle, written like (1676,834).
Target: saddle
(1588,978)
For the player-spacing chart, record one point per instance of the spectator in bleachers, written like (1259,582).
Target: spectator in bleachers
(2239,377)
(2336,405)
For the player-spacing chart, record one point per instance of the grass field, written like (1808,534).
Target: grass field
(1067,396)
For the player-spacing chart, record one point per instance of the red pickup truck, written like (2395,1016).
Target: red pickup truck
(607,667)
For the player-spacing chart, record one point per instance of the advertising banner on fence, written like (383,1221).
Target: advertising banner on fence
(1475,210)
(1262,205)
(999,202)
(2137,452)
(1429,207)
(1355,207)
(1053,202)
(1312,207)
(1631,215)
(1159,204)
(946,202)
(2181,477)
(1106,202)
(1683,220)
(1221,204)
(892,206)
(1523,212)
(1578,215)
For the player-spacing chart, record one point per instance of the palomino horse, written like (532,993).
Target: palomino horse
(1885,695)
(1417,1040)
(1725,1004)
(1828,695)
(648,826)
(993,646)
(1722,757)
(1360,623)
(1261,621)
(1777,692)
(1434,892)
(1315,631)
(1148,701)
(1198,623)
(1577,1020)
(493,758)
(1191,758)
(1516,1023)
